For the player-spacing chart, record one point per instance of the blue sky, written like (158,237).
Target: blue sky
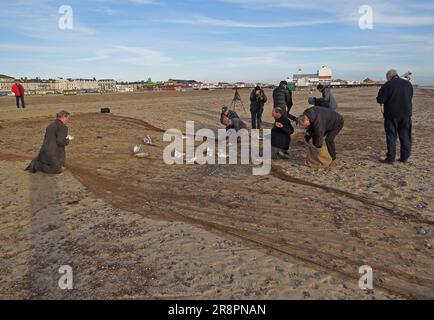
(221,40)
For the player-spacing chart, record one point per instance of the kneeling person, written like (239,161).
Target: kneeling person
(280,135)
(51,158)
(322,122)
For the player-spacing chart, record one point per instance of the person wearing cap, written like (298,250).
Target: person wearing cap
(257,102)
(282,98)
(51,157)
(18,90)
(327,100)
(396,95)
(226,113)
(321,123)
(280,135)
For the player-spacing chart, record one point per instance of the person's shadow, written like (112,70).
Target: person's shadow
(49,237)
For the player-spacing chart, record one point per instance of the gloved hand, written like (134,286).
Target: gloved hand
(70,138)
(307,137)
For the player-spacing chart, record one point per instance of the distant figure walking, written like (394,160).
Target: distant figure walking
(396,95)
(257,102)
(322,122)
(327,100)
(282,98)
(51,158)
(18,90)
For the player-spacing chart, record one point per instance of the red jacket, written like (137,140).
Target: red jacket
(16,90)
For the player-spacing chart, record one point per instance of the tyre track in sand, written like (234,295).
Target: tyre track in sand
(129,198)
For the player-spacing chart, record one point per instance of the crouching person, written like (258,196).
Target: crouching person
(226,113)
(51,157)
(280,135)
(322,123)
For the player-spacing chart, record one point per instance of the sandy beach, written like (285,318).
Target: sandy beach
(136,228)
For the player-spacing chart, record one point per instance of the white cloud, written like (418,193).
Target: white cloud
(386,12)
(128,55)
(207,21)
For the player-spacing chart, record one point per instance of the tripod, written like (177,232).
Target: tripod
(237,99)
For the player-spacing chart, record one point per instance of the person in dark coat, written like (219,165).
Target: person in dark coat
(321,122)
(282,97)
(51,157)
(280,135)
(18,91)
(257,102)
(226,113)
(396,95)
(327,100)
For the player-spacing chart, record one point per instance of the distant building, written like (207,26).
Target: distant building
(107,85)
(180,83)
(124,88)
(324,75)
(6,83)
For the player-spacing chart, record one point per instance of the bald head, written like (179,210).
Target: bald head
(391,74)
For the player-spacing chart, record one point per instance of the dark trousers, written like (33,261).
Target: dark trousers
(398,128)
(22,101)
(257,119)
(330,140)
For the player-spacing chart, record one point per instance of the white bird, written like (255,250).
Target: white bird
(137,149)
(147,140)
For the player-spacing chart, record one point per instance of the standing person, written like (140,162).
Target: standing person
(257,102)
(322,122)
(282,98)
(280,135)
(396,95)
(18,90)
(327,100)
(51,158)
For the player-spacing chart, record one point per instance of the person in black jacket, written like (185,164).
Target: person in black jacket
(51,158)
(396,95)
(257,102)
(280,135)
(321,122)
(282,97)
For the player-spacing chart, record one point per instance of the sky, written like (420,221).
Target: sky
(220,40)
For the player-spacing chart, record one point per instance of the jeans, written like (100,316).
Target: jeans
(394,128)
(257,119)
